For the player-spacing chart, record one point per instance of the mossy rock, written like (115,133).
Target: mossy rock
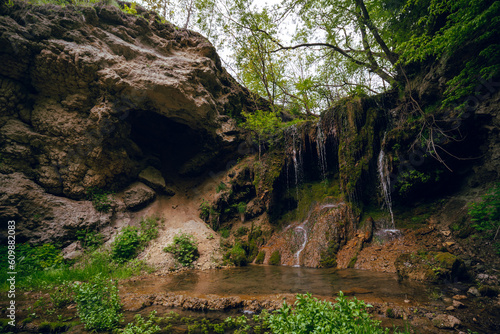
(260,257)
(275,258)
(431,267)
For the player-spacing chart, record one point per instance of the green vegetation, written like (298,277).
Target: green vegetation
(90,240)
(485,214)
(142,326)
(184,248)
(225,232)
(275,258)
(260,257)
(221,187)
(132,240)
(100,199)
(236,256)
(311,315)
(98,304)
(243,230)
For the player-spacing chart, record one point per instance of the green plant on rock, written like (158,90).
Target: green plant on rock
(221,187)
(100,199)
(90,240)
(243,230)
(142,326)
(225,232)
(98,304)
(485,214)
(204,210)
(260,257)
(130,10)
(35,258)
(275,258)
(184,249)
(236,255)
(62,296)
(126,245)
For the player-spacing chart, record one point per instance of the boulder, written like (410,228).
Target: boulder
(430,266)
(138,196)
(446,321)
(153,178)
(41,217)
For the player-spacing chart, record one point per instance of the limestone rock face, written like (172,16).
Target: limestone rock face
(42,217)
(90,96)
(86,92)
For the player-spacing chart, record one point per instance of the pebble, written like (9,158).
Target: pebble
(450,308)
(474,291)
(458,304)
(459,297)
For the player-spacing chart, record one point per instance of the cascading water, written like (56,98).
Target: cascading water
(303,231)
(321,149)
(304,243)
(385,183)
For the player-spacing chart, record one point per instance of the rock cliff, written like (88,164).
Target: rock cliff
(91,96)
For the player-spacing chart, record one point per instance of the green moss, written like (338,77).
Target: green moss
(260,257)
(352,262)
(329,256)
(236,255)
(275,258)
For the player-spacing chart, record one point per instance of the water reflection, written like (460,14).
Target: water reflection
(264,280)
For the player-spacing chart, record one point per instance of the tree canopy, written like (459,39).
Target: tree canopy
(304,54)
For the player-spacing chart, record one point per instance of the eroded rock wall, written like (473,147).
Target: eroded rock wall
(90,96)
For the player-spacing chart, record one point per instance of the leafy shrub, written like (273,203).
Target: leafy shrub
(275,258)
(241,231)
(98,304)
(184,248)
(221,187)
(149,230)
(236,255)
(205,211)
(225,232)
(132,240)
(126,244)
(311,315)
(130,10)
(486,214)
(260,257)
(39,257)
(241,207)
(141,326)
(90,239)
(99,198)
(63,295)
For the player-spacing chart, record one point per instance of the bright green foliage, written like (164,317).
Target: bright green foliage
(100,199)
(63,295)
(142,326)
(236,255)
(311,315)
(32,258)
(260,257)
(130,10)
(184,248)
(486,213)
(98,304)
(132,240)
(409,180)
(275,258)
(205,210)
(470,24)
(126,244)
(90,240)
(262,123)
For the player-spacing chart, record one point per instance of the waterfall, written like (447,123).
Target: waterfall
(385,183)
(304,242)
(321,149)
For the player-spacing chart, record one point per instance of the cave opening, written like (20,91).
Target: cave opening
(165,143)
